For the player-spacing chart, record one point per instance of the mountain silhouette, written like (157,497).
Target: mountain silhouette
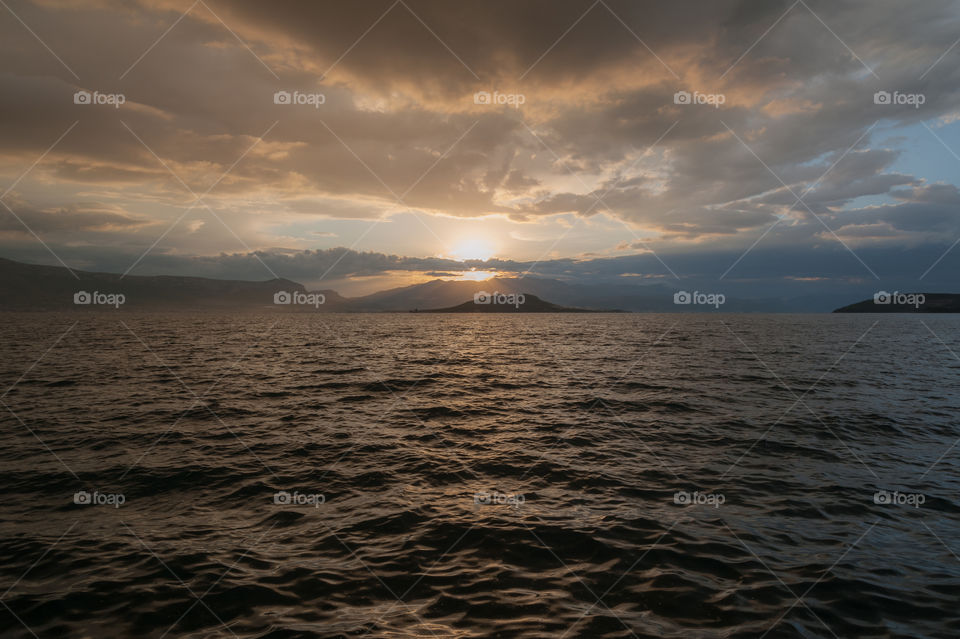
(906,303)
(30,287)
(513,303)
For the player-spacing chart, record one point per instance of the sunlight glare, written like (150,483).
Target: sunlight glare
(473,249)
(474,275)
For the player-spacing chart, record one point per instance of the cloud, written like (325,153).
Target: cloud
(599,131)
(81,216)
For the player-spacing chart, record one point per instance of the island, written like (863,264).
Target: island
(906,303)
(512,303)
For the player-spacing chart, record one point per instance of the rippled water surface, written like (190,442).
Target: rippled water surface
(480,476)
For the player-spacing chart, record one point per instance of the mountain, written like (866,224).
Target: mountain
(446,293)
(29,287)
(906,303)
(645,298)
(512,303)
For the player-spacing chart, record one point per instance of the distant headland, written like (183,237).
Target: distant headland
(509,303)
(897,302)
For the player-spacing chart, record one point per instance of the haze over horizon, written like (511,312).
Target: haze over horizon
(800,148)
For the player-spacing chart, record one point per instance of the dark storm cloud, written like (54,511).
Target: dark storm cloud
(498,39)
(83,216)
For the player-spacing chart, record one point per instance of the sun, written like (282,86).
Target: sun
(473,275)
(473,249)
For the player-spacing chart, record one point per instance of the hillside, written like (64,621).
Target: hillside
(29,287)
(519,303)
(920,303)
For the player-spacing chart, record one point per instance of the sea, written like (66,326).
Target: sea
(515,476)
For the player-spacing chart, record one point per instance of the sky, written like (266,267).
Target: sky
(782,147)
